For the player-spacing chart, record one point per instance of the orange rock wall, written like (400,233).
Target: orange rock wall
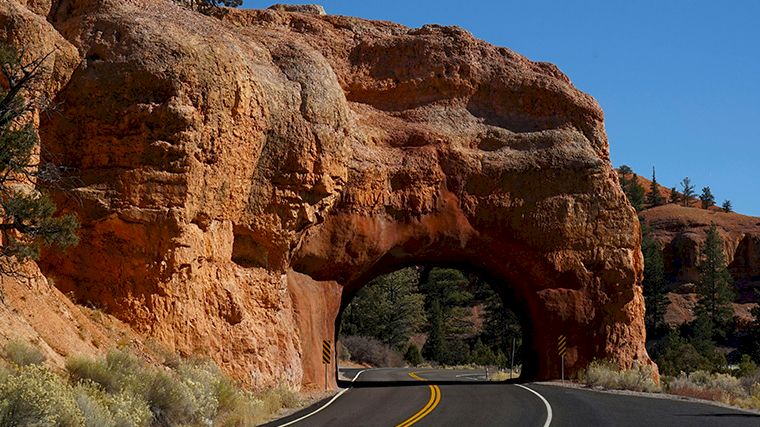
(234,176)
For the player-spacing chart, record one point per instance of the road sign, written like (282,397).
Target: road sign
(326,351)
(562,346)
(562,351)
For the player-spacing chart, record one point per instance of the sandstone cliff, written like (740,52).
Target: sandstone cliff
(239,179)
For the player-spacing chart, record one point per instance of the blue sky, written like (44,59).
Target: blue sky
(679,80)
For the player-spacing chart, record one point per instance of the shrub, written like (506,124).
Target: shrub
(413,355)
(704,385)
(23,354)
(35,396)
(129,410)
(372,351)
(170,401)
(82,369)
(608,375)
(93,403)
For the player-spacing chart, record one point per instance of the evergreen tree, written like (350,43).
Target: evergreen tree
(635,193)
(707,198)
(753,345)
(413,355)
(206,6)
(435,346)
(688,191)
(715,290)
(654,198)
(727,206)
(482,355)
(389,308)
(28,220)
(500,325)
(625,170)
(674,196)
(654,287)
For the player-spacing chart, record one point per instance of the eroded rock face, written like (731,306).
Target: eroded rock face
(237,177)
(681,232)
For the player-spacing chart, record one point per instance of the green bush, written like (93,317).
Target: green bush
(413,355)
(33,395)
(23,354)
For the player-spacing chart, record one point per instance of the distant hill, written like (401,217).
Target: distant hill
(680,231)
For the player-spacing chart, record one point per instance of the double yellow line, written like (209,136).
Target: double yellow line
(435,398)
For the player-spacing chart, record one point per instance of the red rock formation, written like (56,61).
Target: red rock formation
(681,231)
(236,176)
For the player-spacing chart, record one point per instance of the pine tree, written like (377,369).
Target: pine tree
(390,308)
(753,347)
(413,355)
(674,196)
(727,206)
(500,325)
(635,193)
(707,198)
(654,286)
(435,346)
(654,198)
(28,220)
(688,191)
(715,287)
(625,170)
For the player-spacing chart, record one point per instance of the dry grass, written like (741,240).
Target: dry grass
(718,387)
(123,390)
(608,375)
(23,354)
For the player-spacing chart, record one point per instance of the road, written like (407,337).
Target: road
(431,397)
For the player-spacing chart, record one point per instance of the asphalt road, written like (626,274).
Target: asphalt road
(430,397)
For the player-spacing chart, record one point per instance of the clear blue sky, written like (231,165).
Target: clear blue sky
(679,80)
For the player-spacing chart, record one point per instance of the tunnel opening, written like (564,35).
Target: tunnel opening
(435,315)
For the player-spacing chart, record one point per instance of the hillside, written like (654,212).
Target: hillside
(680,231)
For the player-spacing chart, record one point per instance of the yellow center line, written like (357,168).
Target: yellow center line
(435,398)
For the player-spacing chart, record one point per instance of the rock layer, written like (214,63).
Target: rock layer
(681,232)
(239,179)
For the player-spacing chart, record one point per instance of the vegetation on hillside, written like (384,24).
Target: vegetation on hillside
(28,219)
(121,389)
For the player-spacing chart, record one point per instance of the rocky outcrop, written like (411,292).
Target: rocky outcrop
(681,231)
(239,179)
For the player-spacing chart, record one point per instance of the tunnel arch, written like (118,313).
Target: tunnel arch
(505,293)
(586,294)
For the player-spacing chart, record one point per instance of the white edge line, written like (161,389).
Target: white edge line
(548,407)
(326,404)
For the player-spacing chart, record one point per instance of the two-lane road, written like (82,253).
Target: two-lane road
(434,397)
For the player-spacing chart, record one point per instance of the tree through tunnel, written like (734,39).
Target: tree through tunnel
(431,314)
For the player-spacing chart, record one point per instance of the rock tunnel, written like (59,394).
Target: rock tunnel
(241,174)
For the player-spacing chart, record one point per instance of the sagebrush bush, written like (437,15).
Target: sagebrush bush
(371,351)
(93,403)
(120,390)
(35,396)
(23,354)
(705,385)
(83,369)
(607,374)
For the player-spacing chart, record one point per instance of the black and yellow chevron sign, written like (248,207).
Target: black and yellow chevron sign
(561,346)
(326,351)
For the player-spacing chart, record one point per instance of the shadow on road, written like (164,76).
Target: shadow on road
(415,383)
(721,414)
